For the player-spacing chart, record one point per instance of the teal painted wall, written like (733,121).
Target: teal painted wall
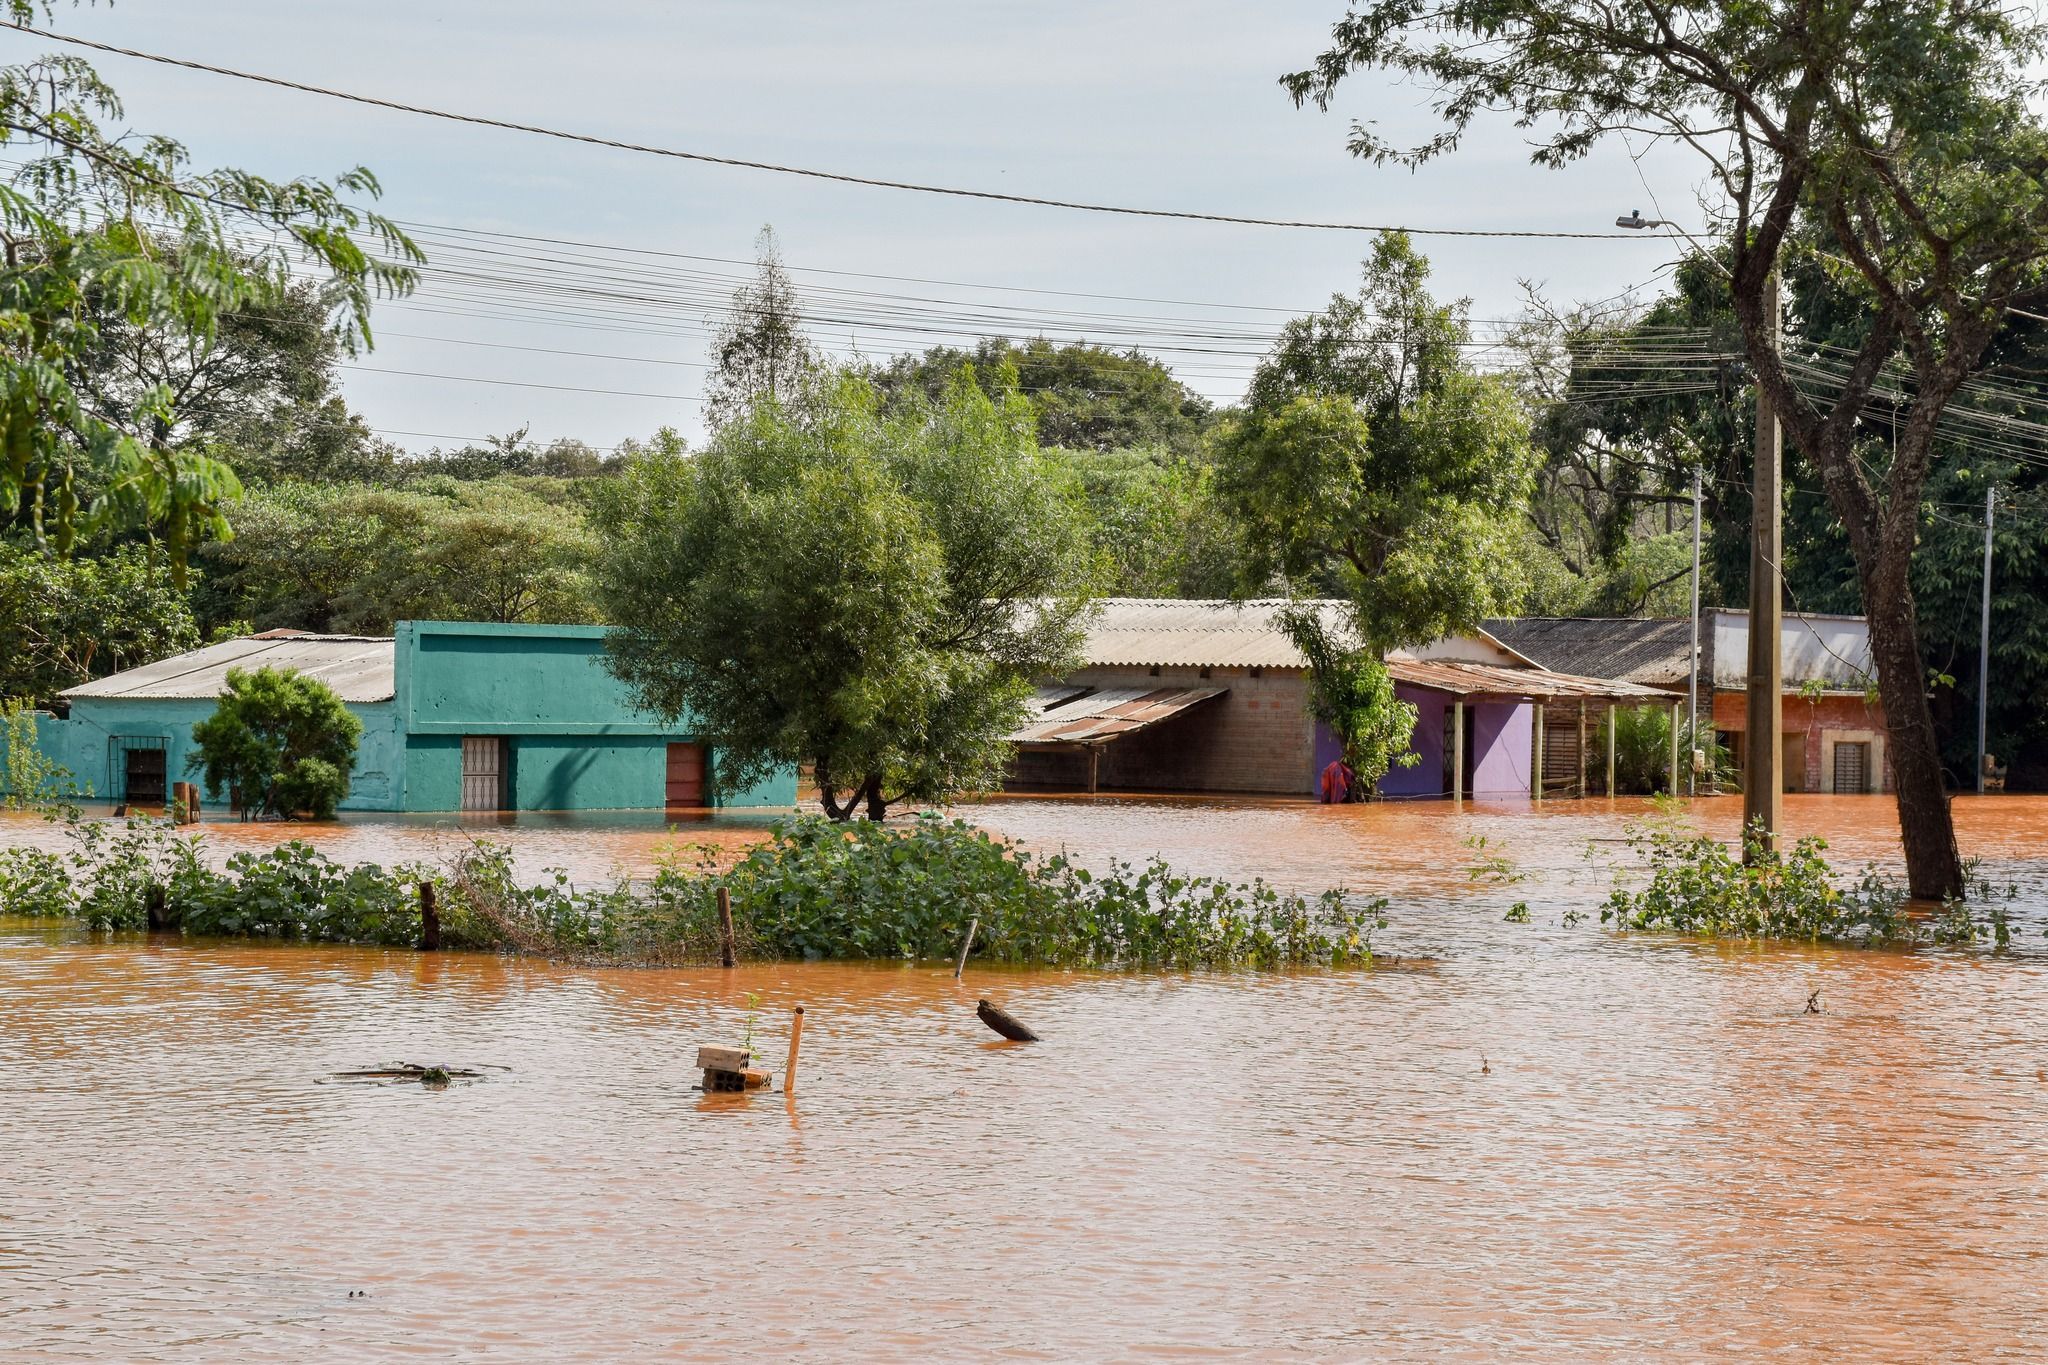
(577,741)
(82,743)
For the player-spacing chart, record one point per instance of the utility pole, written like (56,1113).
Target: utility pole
(1762,786)
(1984,640)
(1692,706)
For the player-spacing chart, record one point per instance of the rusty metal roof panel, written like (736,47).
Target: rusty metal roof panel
(1466,680)
(360,668)
(1113,711)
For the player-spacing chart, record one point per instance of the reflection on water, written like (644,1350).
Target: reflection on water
(1664,1155)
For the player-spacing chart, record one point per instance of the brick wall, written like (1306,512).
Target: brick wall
(1819,725)
(1256,738)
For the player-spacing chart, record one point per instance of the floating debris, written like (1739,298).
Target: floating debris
(1813,1001)
(433,1077)
(1004,1024)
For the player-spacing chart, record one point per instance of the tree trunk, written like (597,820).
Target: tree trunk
(878,805)
(828,794)
(1934,867)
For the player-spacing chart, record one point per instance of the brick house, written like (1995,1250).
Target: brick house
(1834,728)
(1212,696)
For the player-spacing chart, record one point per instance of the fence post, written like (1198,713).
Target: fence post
(728,954)
(430,919)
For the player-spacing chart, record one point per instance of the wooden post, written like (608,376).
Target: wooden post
(796,1037)
(1457,749)
(728,955)
(1536,756)
(1094,767)
(1611,733)
(1582,748)
(966,944)
(1674,747)
(430,919)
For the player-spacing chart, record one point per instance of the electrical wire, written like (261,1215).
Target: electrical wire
(645,149)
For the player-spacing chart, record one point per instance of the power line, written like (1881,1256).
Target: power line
(810,172)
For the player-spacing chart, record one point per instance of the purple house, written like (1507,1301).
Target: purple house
(1212,696)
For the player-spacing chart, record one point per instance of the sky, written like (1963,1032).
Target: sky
(1171,104)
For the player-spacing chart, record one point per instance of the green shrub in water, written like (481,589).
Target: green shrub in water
(815,889)
(1700,886)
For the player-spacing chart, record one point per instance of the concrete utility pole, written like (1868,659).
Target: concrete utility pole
(1984,641)
(1762,787)
(1692,707)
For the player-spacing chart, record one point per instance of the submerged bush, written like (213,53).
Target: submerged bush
(1700,886)
(815,889)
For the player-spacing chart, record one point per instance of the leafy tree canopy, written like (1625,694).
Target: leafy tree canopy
(873,592)
(282,742)
(1373,463)
(70,621)
(101,227)
(1084,396)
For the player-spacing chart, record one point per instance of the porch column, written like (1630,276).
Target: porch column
(1457,749)
(1674,748)
(1582,749)
(1536,756)
(1610,750)
(1094,766)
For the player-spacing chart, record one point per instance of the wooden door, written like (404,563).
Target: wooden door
(483,772)
(685,775)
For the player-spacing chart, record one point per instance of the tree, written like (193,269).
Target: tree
(1373,464)
(760,350)
(1351,691)
(69,621)
(282,743)
(1086,397)
(876,593)
(98,223)
(1900,134)
(356,558)
(1156,522)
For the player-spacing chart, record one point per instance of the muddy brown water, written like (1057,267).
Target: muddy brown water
(1662,1155)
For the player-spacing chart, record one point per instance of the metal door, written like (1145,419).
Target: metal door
(685,785)
(483,772)
(1852,767)
(145,776)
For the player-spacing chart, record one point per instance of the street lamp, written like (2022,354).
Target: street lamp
(1634,219)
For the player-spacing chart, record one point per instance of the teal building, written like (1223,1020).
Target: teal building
(456,716)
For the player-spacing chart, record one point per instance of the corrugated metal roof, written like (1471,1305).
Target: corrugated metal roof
(1144,632)
(1656,651)
(1467,680)
(1113,711)
(358,667)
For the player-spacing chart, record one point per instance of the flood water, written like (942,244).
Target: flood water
(1545,1141)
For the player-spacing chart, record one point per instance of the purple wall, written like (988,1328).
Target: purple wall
(1501,736)
(1427,777)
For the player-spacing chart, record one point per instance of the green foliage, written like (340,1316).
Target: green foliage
(815,890)
(29,778)
(1351,691)
(875,592)
(1156,522)
(283,742)
(760,350)
(1084,397)
(68,621)
(1699,886)
(353,557)
(1372,463)
(104,227)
